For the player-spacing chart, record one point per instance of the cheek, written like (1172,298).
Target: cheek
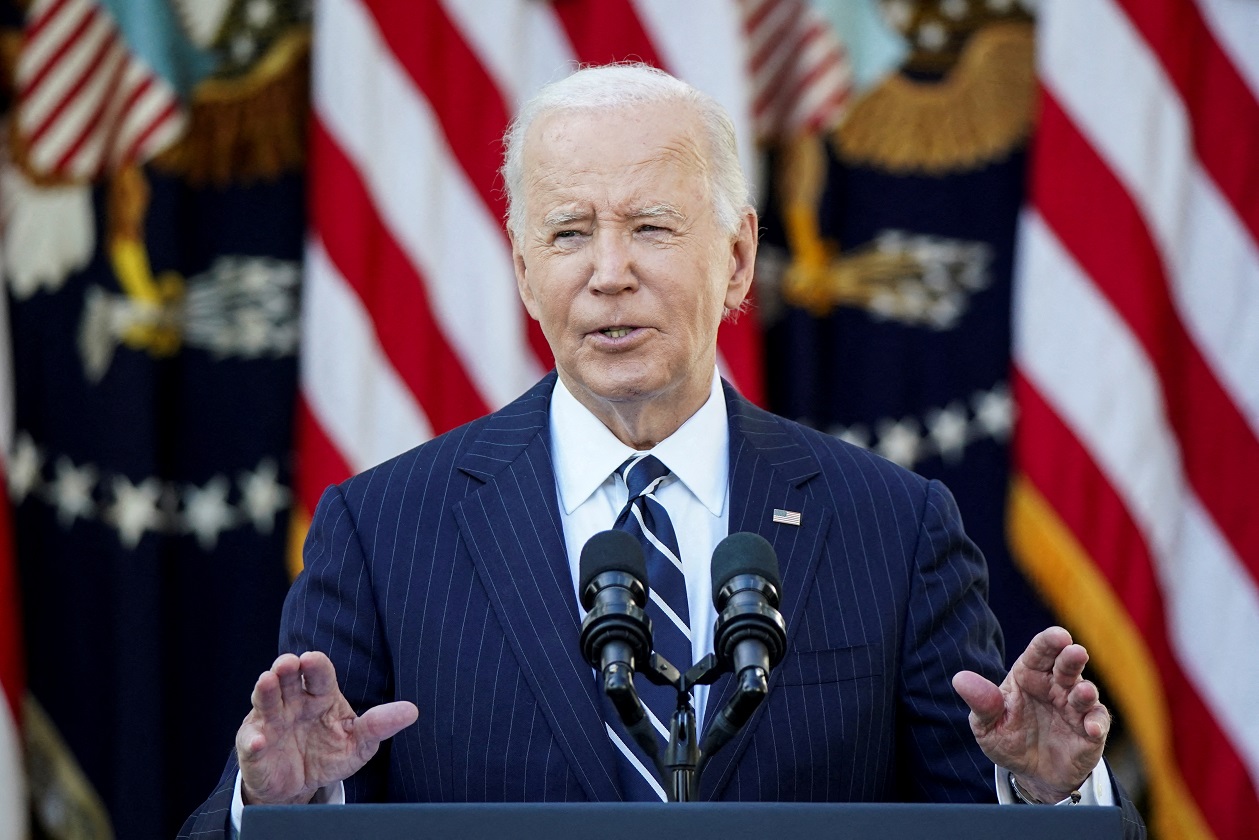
(709,302)
(547,290)
(555,312)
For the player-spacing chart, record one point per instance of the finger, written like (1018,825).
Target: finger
(1083,696)
(287,669)
(1042,651)
(319,675)
(385,721)
(250,741)
(266,695)
(1070,665)
(1097,723)
(983,697)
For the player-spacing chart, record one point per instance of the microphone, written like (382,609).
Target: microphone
(750,631)
(616,632)
(751,635)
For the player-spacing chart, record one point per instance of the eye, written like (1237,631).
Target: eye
(649,228)
(566,237)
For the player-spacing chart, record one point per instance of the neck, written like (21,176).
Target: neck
(642,424)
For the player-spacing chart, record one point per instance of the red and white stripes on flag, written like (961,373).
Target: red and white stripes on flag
(1137,381)
(800,75)
(85,103)
(412,320)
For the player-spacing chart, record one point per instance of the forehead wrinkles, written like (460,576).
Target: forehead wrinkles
(620,151)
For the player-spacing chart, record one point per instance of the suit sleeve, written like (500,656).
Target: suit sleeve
(949,628)
(1133,823)
(211,821)
(331,607)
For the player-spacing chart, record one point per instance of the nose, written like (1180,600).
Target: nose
(612,271)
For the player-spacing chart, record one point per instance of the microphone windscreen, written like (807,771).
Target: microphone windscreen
(744,553)
(611,551)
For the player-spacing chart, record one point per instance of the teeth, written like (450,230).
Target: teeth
(617,332)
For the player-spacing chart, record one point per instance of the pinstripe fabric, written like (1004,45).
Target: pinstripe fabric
(440,577)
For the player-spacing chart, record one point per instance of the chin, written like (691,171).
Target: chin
(623,387)
(622,391)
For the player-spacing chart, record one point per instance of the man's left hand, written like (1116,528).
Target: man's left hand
(1044,723)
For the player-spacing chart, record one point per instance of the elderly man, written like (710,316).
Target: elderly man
(442,584)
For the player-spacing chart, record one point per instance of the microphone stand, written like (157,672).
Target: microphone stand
(680,769)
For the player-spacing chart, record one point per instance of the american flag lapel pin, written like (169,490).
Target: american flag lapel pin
(787,517)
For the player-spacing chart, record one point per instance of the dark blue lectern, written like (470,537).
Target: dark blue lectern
(689,821)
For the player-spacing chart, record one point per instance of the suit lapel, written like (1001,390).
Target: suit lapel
(769,470)
(513,529)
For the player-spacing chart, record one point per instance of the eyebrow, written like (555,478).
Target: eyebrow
(656,211)
(559,218)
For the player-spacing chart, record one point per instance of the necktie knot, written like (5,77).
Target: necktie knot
(642,474)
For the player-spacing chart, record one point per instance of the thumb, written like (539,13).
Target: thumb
(385,721)
(986,702)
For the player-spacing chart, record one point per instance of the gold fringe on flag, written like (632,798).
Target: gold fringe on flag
(978,113)
(1065,575)
(66,807)
(250,127)
(10,46)
(299,525)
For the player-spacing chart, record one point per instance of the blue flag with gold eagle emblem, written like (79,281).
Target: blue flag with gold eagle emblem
(154,212)
(886,266)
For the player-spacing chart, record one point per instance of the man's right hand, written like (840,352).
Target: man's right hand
(302,734)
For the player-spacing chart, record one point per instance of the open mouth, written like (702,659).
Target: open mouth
(617,332)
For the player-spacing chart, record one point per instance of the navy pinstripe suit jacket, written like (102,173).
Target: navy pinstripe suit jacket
(441,577)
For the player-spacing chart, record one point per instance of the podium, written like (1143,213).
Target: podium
(686,821)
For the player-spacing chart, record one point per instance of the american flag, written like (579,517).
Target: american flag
(86,104)
(801,79)
(1137,381)
(412,320)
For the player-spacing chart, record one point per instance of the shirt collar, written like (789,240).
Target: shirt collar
(586,453)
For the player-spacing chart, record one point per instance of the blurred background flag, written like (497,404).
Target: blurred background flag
(99,83)
(13,810)
(1136,353)
(153,202)
(412,323)
(885,266)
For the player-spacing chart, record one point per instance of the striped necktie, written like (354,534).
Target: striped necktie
(646,519)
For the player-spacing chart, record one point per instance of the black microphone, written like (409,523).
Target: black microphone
(750,636)
(616,630)
(750,630)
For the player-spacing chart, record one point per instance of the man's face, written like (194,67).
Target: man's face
(620,257)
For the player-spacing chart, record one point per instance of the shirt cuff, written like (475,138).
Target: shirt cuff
(1096,790)
(330,795)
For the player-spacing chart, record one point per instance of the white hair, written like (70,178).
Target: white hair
(617,86)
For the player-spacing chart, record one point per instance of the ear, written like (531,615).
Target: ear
(522,277)
(742,260)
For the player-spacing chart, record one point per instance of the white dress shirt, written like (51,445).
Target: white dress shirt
(585,456)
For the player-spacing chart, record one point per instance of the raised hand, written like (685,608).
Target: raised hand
(302,734)
(1045,722)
